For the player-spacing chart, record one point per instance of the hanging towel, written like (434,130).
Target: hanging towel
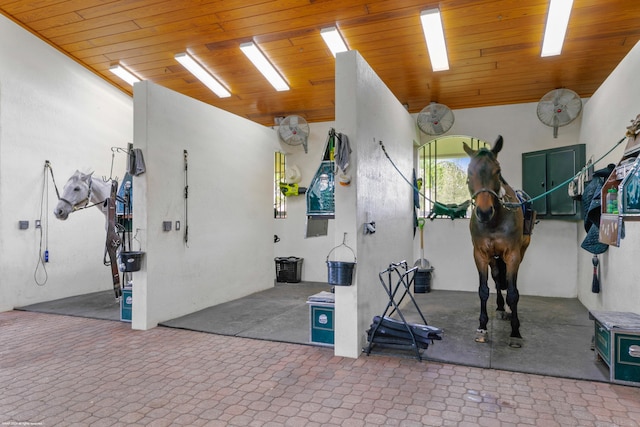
(136,162)
(342,152)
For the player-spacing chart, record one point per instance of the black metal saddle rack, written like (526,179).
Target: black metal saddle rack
(385,331)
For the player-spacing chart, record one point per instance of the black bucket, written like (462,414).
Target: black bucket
(130,261)
(422,280)
(340,272)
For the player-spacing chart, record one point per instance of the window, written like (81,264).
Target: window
(279,199)
(442,167)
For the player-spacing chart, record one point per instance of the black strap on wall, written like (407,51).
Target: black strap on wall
(186,198)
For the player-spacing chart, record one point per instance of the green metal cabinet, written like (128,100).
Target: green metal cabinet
(546,170)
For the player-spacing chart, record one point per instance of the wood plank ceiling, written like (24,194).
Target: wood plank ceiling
(494,47)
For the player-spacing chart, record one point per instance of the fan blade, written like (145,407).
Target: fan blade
(565,96)
(436,113)
(562,117)
(288,137)
(437,128)
(557,94)
(547,105)
(574,107)
(285,132)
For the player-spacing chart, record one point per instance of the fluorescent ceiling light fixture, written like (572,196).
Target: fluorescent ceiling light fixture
(124,74)
(201,74)
(334,40)
(434,35)
(263,65)
(557,21)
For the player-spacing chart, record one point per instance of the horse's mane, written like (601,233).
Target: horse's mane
(485,152)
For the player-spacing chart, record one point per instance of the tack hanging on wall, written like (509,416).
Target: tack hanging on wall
(186,198)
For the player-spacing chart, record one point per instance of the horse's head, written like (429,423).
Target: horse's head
(484,180)
(75,194)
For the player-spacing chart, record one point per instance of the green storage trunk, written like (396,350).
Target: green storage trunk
(617,343)
(126,301)
(321,322)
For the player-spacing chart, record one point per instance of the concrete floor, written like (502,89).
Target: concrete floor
(557,331)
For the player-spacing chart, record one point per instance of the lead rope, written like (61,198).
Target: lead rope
(405,178)
(47,165)
(508,204)
(43,255)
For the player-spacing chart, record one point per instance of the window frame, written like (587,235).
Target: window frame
(279,175)
(427,159)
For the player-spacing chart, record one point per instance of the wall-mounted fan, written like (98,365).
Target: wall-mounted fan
(559,107)
(435,119)
(294,130)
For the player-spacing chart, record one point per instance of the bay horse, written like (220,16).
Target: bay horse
(498,236)
(82,191)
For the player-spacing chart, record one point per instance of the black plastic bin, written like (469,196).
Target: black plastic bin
(422,280)
(288,269)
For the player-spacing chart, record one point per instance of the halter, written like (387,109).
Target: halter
(86,200)
(503,199)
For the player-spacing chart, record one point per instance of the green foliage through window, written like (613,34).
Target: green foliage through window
(279,199)
(442,166)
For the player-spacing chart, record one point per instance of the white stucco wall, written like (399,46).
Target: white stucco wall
(549,267)
(230,205)
(52,109)
(292,229)
(368,113)
(606,117)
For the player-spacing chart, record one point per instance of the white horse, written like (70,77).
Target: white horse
(82,191)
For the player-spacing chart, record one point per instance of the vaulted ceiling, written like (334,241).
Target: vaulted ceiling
(493,46)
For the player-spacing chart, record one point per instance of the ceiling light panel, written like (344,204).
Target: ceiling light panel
(263,65)
(334,40)
(124,74)
(434,36)
(201,74)
(556,28)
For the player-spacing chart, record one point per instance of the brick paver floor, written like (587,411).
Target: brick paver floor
(70,371)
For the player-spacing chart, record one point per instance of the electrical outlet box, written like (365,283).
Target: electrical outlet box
(177,225)
(23,225)
(166,225)
(37,223)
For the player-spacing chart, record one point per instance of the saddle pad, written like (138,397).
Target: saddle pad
(392,340)
(424,331)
